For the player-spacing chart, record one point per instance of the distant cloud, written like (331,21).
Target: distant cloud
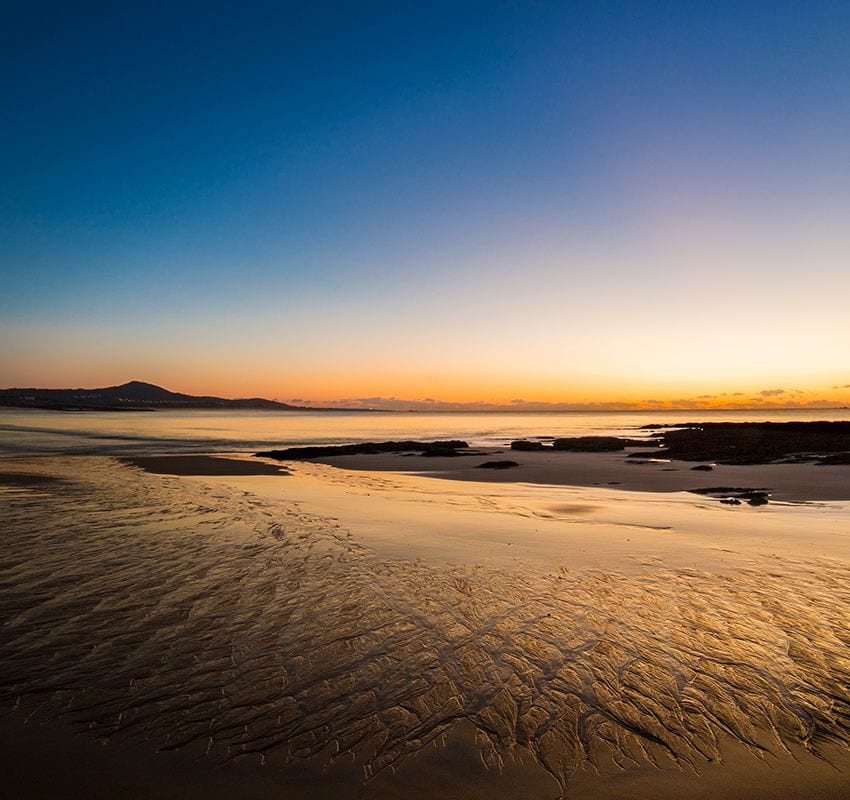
(772,392)
(686,402)
(843,386)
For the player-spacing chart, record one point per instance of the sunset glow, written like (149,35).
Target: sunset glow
(544,205)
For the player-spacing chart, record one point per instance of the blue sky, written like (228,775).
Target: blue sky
(280,179)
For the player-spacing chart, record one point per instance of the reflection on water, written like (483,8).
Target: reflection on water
(31,432)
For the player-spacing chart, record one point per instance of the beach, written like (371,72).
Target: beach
(789,482)
(177,627)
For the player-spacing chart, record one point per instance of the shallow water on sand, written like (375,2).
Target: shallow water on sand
(583,641)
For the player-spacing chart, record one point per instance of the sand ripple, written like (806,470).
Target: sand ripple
(142,606)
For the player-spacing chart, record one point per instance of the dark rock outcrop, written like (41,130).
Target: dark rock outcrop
(733,495)
(756,442)
(448,450)
(836,458)
(596,444)
(702,468)
(497,465)
(526,446)
(443,448)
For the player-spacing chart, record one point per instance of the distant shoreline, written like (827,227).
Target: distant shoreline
(6,402)
(81,408)
(137,396)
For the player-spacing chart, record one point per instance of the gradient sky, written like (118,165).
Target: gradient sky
(554,202)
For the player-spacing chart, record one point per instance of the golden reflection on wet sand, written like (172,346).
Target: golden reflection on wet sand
(330,617)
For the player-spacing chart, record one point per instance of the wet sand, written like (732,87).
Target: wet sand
(356,634)
(202,465)
(793,482)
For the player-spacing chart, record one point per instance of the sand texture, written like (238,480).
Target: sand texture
(239,625)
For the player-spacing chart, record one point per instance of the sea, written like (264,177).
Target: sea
(29,432)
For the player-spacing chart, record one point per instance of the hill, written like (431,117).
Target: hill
(132,396)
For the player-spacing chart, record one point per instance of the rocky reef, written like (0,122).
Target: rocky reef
(754,442)
(451,447)
(581,444)
(596,444)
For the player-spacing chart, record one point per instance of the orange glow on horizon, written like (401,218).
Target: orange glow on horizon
(593,368)
(496,394)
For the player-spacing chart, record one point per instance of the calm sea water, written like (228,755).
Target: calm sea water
(31,432)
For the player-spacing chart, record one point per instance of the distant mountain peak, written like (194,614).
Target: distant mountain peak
(139,391)
(140,385)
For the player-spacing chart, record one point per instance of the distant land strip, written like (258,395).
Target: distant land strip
(138,396)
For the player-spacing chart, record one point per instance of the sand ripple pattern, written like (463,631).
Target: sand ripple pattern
(142,606)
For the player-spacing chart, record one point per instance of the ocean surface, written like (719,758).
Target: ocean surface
(25,432)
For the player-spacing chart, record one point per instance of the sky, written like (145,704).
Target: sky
(529,204)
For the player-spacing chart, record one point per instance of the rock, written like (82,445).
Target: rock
(595,444)
(836,458)
(702,468)
(754,498)
(497,465)
(525,445)
(443,448)
(728,494)
(758,442)
(727,490)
